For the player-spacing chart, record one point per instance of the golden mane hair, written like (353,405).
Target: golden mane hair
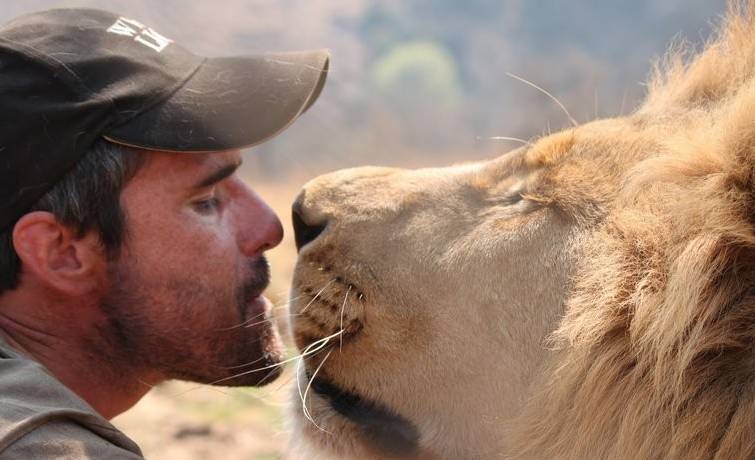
(654,357)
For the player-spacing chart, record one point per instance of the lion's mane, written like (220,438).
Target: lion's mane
(654,357)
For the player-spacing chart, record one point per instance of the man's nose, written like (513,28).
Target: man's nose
(303,232)
(260,229)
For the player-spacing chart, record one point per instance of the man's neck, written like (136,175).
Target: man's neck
(85,370)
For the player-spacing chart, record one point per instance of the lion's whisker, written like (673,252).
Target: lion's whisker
(147,384)
(272,320)
(343,308)
(298,380)
(553,98)
(282,383)
(298,374)
(311,349)
(263,398)
(306,393)
(236,326)
(505,138)
(245,364)
(317,295)
(285,303)
(282,292)
(264,379)
(266,395)
(273,308)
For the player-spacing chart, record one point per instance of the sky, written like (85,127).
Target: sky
(429,82)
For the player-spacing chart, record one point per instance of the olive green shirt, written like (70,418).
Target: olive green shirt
(40,418)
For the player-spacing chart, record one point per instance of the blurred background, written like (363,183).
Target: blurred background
(412,83)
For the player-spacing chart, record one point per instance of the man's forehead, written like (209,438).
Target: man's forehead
(222,159)
(185,167)
(190,161)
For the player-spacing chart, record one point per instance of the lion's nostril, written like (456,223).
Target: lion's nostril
(303,232)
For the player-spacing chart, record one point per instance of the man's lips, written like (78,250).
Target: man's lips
(257,308)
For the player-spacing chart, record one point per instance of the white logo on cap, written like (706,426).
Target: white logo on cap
(140,33)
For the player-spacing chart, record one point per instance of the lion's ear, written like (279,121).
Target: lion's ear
(684,80)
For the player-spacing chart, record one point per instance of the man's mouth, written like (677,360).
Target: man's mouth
(257,309)
(251,301)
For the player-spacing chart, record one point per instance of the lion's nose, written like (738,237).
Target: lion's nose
(303,232)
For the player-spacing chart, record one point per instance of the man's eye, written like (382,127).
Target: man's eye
(206,206)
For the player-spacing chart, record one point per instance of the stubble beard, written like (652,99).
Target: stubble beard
(235,350)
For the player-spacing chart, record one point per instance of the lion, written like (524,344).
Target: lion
(588,295)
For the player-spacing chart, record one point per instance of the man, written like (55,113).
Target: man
(130,251)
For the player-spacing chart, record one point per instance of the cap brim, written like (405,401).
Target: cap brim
(230,103)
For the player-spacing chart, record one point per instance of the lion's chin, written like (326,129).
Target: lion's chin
(380,429)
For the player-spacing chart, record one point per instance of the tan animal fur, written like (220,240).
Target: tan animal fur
(608,314)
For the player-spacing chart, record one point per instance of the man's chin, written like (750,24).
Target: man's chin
(273,370)
(250,370)
(261,361)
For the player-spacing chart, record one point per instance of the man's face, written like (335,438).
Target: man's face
(184,299)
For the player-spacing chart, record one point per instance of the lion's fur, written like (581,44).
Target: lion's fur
(646,353)
(656,349)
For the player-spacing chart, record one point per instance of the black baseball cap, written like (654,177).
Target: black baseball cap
(69,77)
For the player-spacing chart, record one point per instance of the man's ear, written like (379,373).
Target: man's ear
(55,256)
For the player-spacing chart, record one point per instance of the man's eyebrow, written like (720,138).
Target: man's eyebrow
(217,176)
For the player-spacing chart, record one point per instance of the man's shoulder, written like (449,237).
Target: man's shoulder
(65,439)
(41,418)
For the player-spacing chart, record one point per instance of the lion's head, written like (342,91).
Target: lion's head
(591,295)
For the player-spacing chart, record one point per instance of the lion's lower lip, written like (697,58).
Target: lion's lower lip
(383,428)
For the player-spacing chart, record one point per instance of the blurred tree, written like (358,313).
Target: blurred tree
(413,80)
